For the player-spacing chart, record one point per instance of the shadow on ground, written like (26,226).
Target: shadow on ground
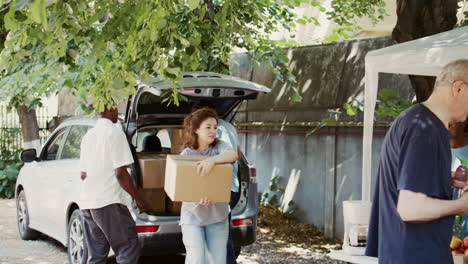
(166,259)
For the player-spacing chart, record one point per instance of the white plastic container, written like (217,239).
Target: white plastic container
(356,214)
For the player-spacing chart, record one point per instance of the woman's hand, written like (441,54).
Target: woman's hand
(204,201)
(205,166)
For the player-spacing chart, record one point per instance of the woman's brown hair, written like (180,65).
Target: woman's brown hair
(192,122)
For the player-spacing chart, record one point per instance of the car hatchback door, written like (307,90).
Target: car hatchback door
(222,92)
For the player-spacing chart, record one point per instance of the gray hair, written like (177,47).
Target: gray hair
(454,71)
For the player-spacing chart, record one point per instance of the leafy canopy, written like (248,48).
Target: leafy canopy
(101,48)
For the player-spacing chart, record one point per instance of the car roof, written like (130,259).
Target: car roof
(79,120)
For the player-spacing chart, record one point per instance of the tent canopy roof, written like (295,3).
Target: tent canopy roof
(425,56)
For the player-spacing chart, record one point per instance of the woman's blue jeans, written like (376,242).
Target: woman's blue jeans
(205,244)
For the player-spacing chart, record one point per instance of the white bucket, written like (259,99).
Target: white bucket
(356,212)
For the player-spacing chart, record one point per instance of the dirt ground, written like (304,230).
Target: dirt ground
(269,248)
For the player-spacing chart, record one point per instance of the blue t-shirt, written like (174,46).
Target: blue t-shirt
(416,157)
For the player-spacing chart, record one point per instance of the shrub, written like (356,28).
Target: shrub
(10,163)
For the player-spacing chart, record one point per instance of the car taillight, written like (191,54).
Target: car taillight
(146,229)
(242,222)
(253,172)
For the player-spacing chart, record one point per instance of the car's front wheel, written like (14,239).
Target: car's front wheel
(77,248)
(22,218)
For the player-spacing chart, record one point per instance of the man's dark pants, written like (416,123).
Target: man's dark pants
(231,255)
(111,226)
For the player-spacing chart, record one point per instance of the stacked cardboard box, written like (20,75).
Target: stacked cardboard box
(172,207)
(176,175)
(152,170)
(177,140)
(156,199)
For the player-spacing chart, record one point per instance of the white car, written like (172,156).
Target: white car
(48,185)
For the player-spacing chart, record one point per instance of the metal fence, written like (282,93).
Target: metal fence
(10,128)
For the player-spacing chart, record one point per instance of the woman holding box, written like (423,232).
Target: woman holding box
(205,225)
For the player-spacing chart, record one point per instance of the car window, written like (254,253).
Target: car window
(54,146)
(71,148)
(227,133)
(163,135)
(137,139)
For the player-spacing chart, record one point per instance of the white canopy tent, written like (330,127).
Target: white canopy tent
(425,56)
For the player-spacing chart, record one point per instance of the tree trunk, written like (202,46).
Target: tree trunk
(29,127)
(421,18)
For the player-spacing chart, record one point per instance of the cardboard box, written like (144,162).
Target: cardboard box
(177,140)
(156,199)
(173,207)
(183,184)
(152,168)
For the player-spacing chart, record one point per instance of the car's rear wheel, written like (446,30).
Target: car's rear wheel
(77,248)
(22,218)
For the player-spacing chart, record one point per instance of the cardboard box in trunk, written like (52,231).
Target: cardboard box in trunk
(177,140)
(173,207)
(152,167)
(183,184)
(156,199)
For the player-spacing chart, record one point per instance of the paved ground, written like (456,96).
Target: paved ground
(13,250)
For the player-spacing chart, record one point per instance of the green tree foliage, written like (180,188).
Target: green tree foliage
(464,5)
(102,48)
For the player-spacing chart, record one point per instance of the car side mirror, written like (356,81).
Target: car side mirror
(28,155)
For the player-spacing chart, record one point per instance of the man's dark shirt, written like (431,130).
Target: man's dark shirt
(415,156)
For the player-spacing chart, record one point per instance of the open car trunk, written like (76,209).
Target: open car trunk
(222,92)
(149,170)
(156,127)
(152,144)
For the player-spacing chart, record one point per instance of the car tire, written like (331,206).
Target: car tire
(22,219)
(77,248)
(237,251)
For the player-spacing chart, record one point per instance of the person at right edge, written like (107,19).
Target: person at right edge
(412,211)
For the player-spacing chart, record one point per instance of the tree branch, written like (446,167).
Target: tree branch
(210,5)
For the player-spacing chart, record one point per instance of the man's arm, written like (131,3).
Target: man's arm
(419,208)
(127,184)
